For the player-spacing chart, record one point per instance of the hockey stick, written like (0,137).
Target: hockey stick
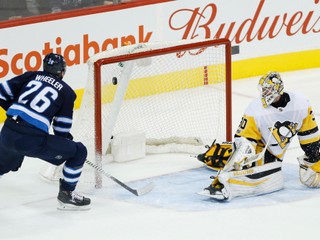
(137,192)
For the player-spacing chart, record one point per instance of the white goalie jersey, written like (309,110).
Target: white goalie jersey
(265,132)
(296,118)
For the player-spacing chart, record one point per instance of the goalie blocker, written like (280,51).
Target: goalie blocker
(309,172)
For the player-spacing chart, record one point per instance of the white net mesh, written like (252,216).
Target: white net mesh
(175,98)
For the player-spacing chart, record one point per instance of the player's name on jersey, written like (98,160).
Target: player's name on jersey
(49,80)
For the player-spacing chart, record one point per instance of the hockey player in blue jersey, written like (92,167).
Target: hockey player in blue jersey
(33,102)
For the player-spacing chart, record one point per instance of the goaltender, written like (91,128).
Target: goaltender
(251,165)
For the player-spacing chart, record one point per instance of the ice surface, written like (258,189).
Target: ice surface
(172,210)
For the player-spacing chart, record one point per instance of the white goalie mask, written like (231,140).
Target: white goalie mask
(270,87)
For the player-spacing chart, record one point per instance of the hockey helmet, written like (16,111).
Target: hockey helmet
(54,64)
(270,87)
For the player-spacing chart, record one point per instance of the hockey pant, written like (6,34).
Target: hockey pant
(20,139)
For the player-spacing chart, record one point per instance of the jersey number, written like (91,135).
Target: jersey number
(243,123)
(43,98)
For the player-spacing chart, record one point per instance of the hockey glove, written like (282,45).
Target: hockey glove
(309,172)
(216,156)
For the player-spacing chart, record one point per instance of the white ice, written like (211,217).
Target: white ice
(172,210)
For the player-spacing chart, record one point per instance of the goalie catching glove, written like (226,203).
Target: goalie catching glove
(216,156)
(309,172)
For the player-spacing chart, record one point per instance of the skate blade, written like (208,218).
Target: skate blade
(70,207)
(206,193)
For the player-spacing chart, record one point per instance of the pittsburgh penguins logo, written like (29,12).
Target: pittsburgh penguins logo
(283,132)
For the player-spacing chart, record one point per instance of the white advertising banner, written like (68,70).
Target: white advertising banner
(258,27)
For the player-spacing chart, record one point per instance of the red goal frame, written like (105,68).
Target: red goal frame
(189,46)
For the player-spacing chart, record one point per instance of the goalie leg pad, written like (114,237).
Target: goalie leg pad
(248,182)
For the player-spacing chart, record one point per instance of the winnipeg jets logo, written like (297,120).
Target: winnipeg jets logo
(283,132)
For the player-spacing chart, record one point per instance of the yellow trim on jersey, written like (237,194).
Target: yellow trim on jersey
(316,167)
(309,122)
(280,156)
(309,140)
(248,128)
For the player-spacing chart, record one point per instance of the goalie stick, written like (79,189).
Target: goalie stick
(137,192)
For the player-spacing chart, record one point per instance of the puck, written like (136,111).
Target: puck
(114,80)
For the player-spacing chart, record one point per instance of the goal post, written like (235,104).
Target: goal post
(184,46)
(176,93)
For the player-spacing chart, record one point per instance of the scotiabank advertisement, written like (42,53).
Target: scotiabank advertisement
(281,33)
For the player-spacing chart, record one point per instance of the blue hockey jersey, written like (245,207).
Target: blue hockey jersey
(39,99)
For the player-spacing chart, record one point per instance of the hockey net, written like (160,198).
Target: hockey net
(176,93)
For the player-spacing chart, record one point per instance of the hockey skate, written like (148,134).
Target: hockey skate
(70,200)
(215,191)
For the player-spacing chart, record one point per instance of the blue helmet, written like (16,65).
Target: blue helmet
(54,64)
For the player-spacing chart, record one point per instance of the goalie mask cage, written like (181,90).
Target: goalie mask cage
(175,92)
